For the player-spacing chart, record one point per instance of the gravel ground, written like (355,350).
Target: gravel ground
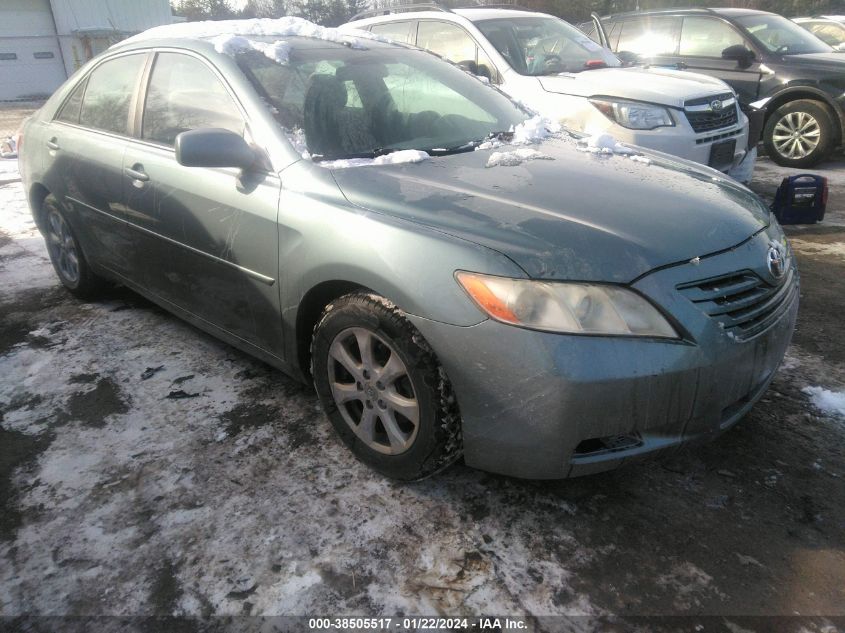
(147,469)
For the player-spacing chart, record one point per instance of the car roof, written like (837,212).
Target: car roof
(726,12)
(299,33)
(473,14)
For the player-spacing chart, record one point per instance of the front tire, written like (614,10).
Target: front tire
(800,133)
(65,253)
(383,389)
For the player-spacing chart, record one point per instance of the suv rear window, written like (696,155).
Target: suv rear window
(396,31)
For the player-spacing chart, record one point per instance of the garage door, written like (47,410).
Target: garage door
(30,61)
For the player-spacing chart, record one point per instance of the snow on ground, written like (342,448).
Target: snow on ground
(824,249)
(826,401)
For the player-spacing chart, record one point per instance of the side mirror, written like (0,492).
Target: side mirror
(213,147)
(628,58)
(743,56)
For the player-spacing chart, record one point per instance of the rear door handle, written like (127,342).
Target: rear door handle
(136,174)
(51,144)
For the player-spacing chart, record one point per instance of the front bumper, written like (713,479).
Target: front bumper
(545,406)
(682,141)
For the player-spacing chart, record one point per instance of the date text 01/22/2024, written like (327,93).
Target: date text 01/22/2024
(416,624)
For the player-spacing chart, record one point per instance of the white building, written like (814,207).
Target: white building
(42,42)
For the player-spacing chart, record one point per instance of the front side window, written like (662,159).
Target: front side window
(364,103)
(544,46)
(108,97)
(831,33)
(707,37)
(781,36)
(396,31)
(649,36)
(184,94)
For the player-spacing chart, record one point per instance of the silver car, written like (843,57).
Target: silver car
(368,217)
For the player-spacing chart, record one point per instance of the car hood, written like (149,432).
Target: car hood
(576,215)
(828,61)
(654,85)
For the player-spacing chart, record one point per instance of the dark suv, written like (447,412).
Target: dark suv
(770,61)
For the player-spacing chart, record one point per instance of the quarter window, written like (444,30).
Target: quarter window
(707,37)
(184,94)
(109,94)
(70,110)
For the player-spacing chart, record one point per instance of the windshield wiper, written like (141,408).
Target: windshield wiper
(469,146)
(375,153)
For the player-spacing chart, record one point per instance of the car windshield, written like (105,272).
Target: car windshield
(545,46)
(779,35)
(353,103)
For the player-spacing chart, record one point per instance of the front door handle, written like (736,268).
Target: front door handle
(52,144)
(136,174)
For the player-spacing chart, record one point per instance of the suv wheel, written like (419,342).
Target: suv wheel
(799,133)
(66,255)
(383,389)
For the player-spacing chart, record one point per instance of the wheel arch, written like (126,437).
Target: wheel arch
(311,309)
(805,92)
(36,196)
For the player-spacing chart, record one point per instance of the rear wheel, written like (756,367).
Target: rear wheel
(66,255)
(383,389)
(800,133)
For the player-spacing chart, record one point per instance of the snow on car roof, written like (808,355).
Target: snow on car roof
(256,27)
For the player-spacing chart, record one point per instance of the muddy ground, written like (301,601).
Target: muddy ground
(147,469)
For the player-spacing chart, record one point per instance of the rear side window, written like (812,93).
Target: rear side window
(448,41)
(71,108)
(184,94)
(649,36)
(108,97)
(396,31)
(707,37)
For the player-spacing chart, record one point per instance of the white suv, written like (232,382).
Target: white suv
(556,69)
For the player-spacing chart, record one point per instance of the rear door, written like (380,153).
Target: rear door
(85,144)
(206,239)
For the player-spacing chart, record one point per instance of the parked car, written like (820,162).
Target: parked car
(828,31)
(548,64)
(332,205)
(768,59)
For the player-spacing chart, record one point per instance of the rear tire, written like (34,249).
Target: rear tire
(383,389)
(65,253)
(800,133)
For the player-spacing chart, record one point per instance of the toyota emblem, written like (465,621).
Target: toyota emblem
(716,105)
(776,260)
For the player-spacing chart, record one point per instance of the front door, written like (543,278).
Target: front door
(206,239)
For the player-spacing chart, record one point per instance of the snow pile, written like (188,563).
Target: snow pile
(533,130)
(257,27)
(394,158)
(514,158)
(830,402)
(604,143)
(278,51)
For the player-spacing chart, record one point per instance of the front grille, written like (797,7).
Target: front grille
(715,120)
(703,118)
(743,304)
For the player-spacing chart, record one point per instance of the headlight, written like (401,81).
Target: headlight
(635,116)
(576,308)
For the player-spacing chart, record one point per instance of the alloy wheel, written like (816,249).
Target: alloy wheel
(796,135)
(373,391)
(62,247)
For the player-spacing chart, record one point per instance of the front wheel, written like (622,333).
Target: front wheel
(383,389)
(799,133)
